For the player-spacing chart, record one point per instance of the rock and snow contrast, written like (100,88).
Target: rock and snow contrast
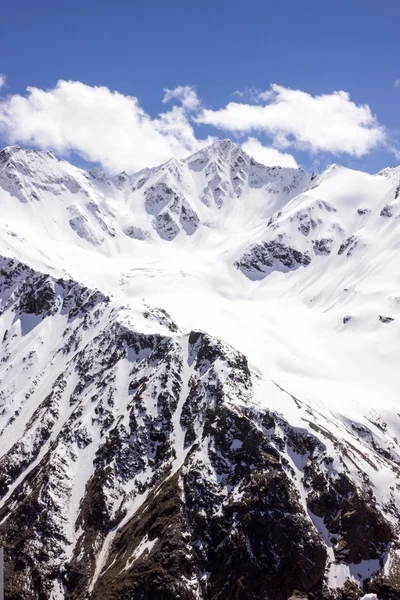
(199,380)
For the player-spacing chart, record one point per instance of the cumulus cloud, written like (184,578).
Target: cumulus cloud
(267,155)
(186,94)
(97,123)
(397,83)
(112,129)
(2,80)
(328,123)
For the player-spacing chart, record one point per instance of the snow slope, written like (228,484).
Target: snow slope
(108,283)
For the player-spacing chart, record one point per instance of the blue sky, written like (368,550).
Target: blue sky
(219,48)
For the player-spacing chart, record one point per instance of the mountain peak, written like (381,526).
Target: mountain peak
(224,145)
(8,152)
(17,149)
(222,152)
(225,149)
(23,156)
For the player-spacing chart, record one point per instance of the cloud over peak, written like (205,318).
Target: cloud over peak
(293,118)
(267,155)
(106,127)
(97,123)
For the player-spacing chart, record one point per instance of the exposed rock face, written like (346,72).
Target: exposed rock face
(260,259)
(386,211)
(384,319)
(362,532)
(323,246)
(348,245)
(174,493)
(228,171)
(166,226)
(136,233)
(163,201)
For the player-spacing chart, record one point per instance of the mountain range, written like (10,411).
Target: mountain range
(199,380)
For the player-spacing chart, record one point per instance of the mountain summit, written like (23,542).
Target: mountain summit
(199,380)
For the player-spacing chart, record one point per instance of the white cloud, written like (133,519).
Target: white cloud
(186,94)
(100,125)
(397,83)
(251,94)
(112,129)
(328,123)
(2,80)
(267,155)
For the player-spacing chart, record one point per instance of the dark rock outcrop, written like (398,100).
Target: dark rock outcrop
(260,259)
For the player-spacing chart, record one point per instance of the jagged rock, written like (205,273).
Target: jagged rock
(307,223)
(166,226)
(348,245)
(323,246)
(384,319)
(136,233)
(37,299)
(362,533)
(386,211)
(262,258)
(188,218)
(158,197)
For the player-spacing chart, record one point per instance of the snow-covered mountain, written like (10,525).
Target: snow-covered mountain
(199,380)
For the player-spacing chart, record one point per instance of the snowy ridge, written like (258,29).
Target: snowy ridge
(199,381)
